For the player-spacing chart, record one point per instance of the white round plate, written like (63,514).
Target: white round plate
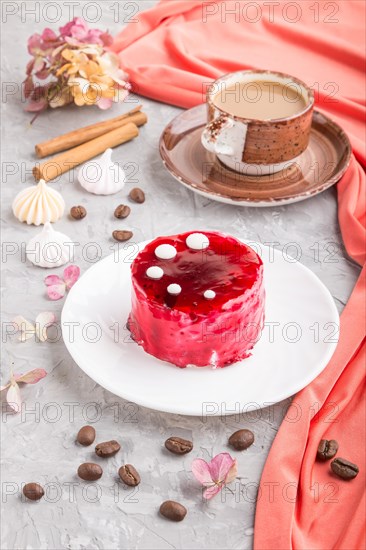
(298,339)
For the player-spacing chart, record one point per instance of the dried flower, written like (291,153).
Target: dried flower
(77,29)
(214,475)
(13,394)
(77,67)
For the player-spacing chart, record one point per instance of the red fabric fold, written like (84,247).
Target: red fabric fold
(172,53)
(328,512)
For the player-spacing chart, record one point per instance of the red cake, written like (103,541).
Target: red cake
(197,299)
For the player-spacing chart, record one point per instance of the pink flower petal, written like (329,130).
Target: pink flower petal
(201,471)
(94,36)
(57,50)
(107,39)
(29,67)
(53,280)
(28,86)
(13,397)
(38,64)
(66,30)
(212,491)
(71,275)
(73,42)
(56,292)
(31,377)
(121,94)
(104,103)
(233,472)
(220,466)
(79,32)
(23,326)
(48,35)
(34,42)
(44,320)
(77,28)
(43,74)
(34,106)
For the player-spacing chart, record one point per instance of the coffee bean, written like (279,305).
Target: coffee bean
(137,195)
(78,212)
(129,475)
(33,491)
(107,448)
(90,471)
(327,449)
(241,440)
(122,236)
(173,510)
(122,211)
(344,468)
(86,436)
(178,446)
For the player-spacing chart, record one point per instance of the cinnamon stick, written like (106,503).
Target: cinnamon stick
(60,164)
(77,137)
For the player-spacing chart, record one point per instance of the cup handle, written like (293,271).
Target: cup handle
(215,134)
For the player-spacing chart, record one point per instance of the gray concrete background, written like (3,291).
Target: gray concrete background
(38,444)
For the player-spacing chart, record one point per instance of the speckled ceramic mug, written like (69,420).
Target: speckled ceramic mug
(253,145)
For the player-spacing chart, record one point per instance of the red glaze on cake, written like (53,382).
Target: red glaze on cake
(196,327)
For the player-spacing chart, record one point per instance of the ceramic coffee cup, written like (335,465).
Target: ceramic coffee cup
(258,121)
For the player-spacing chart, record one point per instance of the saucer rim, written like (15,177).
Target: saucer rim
(253,202)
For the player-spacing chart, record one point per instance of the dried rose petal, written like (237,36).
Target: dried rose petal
(56,292)
(214,475)
(13,397)
(53,280)
(31,377)
(71,275)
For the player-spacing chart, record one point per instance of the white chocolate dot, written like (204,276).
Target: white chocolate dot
(154,272)
(174,289)
(209,294)
(197,241)
(165,252)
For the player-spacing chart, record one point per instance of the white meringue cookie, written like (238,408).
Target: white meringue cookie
(174,289)
(101,176)
(165,252)
(38,204)
(197,241)
(50,248)
(154,272)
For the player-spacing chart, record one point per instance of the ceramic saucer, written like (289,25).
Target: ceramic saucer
(319,167)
